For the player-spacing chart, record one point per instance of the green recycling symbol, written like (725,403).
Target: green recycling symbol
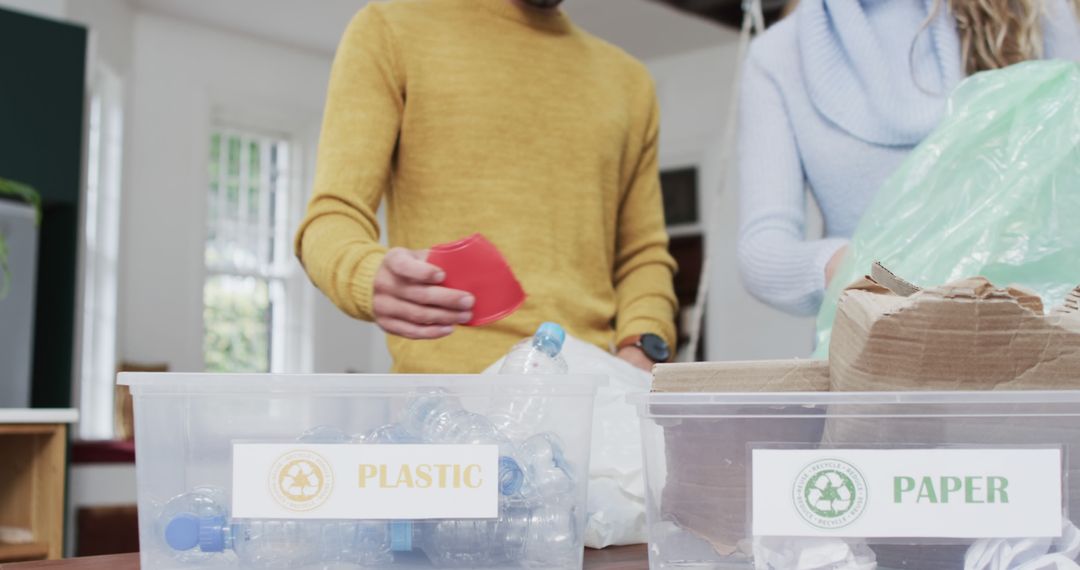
(830,494)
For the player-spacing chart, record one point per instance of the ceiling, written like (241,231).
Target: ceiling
(644,28)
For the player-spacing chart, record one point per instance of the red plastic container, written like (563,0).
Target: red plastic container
(475,265)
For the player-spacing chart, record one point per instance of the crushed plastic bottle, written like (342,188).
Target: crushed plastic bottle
(438,417)
(538,354)
(518,415)
(525,534)
(196,527)
(388,434)
(547,473)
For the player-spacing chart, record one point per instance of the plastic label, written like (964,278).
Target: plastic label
(907,493)
(355,481)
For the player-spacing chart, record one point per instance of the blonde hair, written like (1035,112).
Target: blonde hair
(997,33)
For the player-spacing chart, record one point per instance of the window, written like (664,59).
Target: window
(100,246)
(248,252)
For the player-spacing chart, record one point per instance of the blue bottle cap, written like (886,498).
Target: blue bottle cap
(212,534)
(553,333)
(401,536)
(182,533)
(510,476)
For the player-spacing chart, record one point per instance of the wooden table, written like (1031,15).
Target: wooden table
(33,448)
(614,558)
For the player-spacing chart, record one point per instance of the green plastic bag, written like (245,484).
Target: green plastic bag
(994,191)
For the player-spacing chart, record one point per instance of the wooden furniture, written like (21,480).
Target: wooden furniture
(614,558)
(107,530)
(33,445)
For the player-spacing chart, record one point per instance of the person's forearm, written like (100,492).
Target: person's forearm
(338,241)
(784,271)
(646,301)
(341,260)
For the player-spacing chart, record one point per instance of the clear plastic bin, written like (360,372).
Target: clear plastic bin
(700,449)
(186,426)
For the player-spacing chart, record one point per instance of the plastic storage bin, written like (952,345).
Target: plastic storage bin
(910,480)
(191,428)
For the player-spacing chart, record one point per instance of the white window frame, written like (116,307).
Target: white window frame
(97,317)
(291,338)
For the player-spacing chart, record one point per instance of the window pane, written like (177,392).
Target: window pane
(245,298)
(236,317)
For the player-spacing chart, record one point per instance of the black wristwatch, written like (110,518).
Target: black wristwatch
(652,345)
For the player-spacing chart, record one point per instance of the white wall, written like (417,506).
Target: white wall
(111,23)
(694,90)
(184,75)
(55,9)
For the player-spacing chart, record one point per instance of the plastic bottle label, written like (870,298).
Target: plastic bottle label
(355,481)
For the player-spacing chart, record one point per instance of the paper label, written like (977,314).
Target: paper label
(907,493)
(347,481)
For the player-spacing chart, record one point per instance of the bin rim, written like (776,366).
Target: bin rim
(855,398)
(357,384)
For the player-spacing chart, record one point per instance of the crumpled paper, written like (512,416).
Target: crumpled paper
(812,554)
(1027,553)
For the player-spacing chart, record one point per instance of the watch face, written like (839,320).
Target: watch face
(655,348)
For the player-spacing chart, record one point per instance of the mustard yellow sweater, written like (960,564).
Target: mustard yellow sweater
(479,116)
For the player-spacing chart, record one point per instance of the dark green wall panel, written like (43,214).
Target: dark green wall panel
(42,83)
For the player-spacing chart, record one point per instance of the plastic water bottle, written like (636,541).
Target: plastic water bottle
(548,475)
(453,543)
(388,434)
(182,517)
(438,417)
(519,415)
(525,534)
(551,536)
(195,526)
(539,354)
(323,434)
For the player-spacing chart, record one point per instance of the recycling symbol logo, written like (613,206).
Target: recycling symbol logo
(301,480)
(830,494)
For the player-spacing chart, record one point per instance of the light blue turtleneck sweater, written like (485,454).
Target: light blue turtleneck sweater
(832,101)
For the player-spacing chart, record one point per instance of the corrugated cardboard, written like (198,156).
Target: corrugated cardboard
(751,376)
(965,335)
(706,490)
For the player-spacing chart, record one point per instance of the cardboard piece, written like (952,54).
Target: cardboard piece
(794,375)
(706,490)
(965,335)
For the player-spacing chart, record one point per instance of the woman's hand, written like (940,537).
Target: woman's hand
(834,264)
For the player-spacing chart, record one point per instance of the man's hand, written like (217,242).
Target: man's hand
(409,302)
(635,356)
(834,265)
